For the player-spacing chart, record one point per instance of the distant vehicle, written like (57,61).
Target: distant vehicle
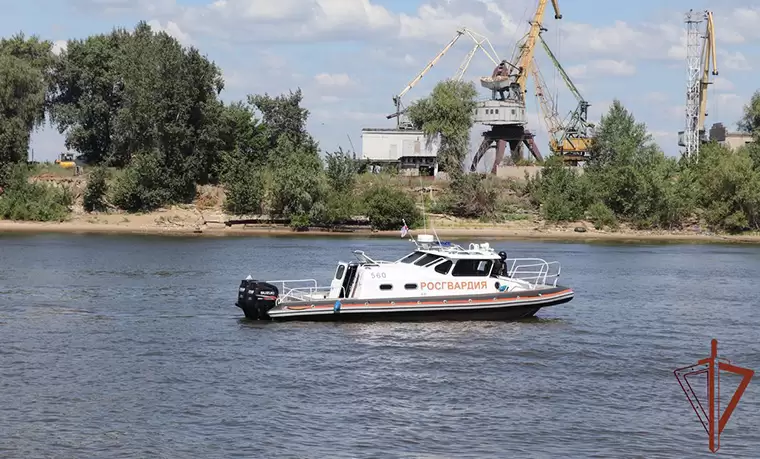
(66,160)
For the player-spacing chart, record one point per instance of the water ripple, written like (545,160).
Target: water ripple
(132,347)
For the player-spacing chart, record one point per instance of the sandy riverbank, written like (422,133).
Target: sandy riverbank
(170,224)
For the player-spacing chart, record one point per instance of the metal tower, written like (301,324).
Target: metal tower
(691,136)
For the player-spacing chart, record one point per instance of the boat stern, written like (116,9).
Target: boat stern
(256,298)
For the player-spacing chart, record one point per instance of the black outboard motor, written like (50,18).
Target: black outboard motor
(256,298)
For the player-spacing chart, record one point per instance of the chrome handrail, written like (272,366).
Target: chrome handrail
(536,272)
(303,293)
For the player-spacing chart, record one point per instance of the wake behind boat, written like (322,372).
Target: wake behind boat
(437,281)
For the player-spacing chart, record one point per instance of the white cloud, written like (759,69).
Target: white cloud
(613,67)
(341,80)
(730,99)
(657,97)
(723,84)
(172,29)
(735,61)
(602,67)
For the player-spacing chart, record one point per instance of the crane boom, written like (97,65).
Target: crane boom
(708,57)
(525,59)
(479,41)
(547,104)
(397,99)
(570,85)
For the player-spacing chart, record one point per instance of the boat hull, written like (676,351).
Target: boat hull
(501,306)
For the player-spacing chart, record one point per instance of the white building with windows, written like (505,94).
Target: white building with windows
(411,150)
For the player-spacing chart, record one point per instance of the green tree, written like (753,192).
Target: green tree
(283,116)
(89,91)
(619,139)
(630,174)
(342,169)
(387,208)
(750,121)
(298,178)
(447,113)
(142,91)
(729,188)
(24,89)
(243,183)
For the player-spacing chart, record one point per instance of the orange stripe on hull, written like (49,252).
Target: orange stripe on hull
(424,303)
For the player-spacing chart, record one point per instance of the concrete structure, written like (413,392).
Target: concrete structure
(732,140)
(408,149)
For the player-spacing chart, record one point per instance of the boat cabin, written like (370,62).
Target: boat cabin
(433,269)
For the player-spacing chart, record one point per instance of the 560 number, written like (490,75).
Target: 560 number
(377,275)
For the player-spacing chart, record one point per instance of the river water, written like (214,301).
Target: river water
(131,347)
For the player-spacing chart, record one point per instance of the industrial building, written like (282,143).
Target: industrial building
(408,149)
(732,140)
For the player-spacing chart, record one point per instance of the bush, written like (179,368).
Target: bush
(387,208)
(602,216)
(95,193)
(22,200)
(560,192)
(300,222)
(337,209)
(143,185)
(243,183)
(341,170)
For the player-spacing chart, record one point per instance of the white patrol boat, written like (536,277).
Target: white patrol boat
(438,280)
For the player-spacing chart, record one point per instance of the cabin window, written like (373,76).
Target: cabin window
(339,272)
(411,257)
(385,286)
(427,259)
(444,267)
(497,111)
(410,286)
(472,268)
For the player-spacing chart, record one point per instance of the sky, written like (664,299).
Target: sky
(350,57)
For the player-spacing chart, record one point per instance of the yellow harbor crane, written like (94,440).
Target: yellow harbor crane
(505,112)
(526,50)
(570,138)
(699,57)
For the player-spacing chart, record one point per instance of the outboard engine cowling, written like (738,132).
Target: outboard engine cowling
(256,298)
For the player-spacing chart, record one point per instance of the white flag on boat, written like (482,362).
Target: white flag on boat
(404,230)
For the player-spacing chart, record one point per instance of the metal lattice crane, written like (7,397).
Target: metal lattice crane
(573,138)
(480,43)
(699,59)
(548,106)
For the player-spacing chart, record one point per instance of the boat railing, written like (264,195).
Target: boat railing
(297,289)
(536,271)
(304,294)
(364,258)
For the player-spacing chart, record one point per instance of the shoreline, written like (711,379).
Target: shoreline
(488,232)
